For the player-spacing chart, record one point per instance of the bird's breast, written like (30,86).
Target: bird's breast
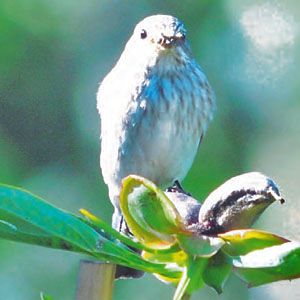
(161,131)
(152,128)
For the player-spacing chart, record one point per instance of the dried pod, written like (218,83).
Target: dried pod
(187,206)
(237,203)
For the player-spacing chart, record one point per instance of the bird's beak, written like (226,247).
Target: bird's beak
(170,41)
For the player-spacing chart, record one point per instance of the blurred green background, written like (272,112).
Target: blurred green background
(53,55)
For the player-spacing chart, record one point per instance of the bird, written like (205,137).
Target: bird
(155,106)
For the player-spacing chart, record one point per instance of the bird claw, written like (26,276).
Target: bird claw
(177,188)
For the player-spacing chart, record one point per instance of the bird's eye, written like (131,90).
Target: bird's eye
(143,34)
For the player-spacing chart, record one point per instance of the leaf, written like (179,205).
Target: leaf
(217,271)
(41,239)
(240,242)
(174,261)
(101,227)
(200,245)
(33,220)
(150,215)
(270,264)
(179,257)
(27,218)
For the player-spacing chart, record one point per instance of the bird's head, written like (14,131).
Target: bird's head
(160,31)
(158,36)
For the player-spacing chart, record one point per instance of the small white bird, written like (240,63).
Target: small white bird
(155,106)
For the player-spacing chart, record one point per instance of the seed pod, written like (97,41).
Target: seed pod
(237,203)
(187,206)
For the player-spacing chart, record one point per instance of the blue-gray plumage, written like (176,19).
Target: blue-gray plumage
(154,105)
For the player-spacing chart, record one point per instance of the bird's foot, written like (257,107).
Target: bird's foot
(177,188)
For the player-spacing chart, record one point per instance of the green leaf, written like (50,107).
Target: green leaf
(217,271)
(27,218)
(200,245)
(11,232)
(240,242)
(101,227)
(175,261)
(150,215)
(270,264)
(35,221)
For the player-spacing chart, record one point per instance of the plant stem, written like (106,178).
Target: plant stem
(186,297)
(95,281)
